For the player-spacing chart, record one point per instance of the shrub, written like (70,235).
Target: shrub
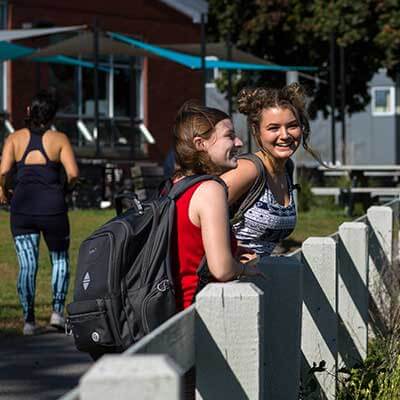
(377,378)
(305,198)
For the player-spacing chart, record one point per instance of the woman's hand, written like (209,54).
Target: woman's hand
(244,254)
(251,268)
(3,198)
(250,259)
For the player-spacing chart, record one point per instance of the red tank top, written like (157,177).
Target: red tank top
(188,250)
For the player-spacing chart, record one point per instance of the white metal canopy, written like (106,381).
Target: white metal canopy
(16,34)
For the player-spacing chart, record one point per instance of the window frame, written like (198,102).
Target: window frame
(391,105)
(216,72)
(136,65)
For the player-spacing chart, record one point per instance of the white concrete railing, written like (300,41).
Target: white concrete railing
(315,313)
(346,295)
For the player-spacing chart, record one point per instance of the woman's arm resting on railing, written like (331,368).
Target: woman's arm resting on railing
(209,210)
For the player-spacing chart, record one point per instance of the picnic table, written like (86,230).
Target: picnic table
(360,188)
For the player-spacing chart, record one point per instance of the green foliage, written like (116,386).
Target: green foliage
(388,37)
(305,198)
(342,182)
(377,378)
(297,32)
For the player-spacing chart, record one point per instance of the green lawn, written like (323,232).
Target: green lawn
(82,224)
(318,222)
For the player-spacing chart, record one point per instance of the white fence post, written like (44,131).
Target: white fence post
(283,300)
(229,345)
(319,331)
(395,206)
(353,293)
(380,221)
(143,377)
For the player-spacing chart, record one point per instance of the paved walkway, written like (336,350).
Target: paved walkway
(42,367)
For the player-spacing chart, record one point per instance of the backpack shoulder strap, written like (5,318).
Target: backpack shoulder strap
(290,170)
(256,189)
(180,187)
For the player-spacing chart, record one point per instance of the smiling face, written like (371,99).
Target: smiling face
(222,146)
(279,132)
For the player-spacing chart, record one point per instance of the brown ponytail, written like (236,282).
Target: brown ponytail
(194,120)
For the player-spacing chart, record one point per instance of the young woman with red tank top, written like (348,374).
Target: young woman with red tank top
(205,143)
(188,250)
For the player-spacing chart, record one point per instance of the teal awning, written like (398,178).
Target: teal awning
(194,62)
(60,59)
(180,58)
(10,51)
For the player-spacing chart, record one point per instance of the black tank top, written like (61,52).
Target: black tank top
(38,188)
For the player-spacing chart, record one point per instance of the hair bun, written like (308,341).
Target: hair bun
(296,94)
(250,99)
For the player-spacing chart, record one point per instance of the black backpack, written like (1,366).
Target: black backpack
(124,285)
(243,204)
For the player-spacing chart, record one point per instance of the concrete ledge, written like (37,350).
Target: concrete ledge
(142,377)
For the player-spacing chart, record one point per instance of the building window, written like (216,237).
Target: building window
(383,101)
(63,78)
(212,74)
(87,101)
(119,99)
(118,94)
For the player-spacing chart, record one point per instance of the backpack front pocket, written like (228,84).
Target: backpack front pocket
(88,322)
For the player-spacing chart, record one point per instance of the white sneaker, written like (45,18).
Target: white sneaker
(57,320)
(29,329)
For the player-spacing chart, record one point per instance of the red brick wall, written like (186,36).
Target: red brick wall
(167,84)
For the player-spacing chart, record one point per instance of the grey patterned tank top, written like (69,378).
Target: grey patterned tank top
(267,222)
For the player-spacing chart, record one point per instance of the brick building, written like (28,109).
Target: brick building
(139,89)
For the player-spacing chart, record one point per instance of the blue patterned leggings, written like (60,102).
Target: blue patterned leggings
(27,247)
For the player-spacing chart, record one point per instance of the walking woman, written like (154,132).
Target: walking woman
(38,204)
(279,123)
(205,143)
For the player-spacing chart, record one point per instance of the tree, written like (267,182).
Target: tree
(297,32)
(388,37)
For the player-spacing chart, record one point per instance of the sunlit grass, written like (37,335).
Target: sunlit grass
(83,222)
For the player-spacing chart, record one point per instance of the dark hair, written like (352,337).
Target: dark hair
(42,110)
(251,102)
(194,120)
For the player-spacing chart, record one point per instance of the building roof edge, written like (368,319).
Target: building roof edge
(191,8)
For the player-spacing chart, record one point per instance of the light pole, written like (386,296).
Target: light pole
(332,95)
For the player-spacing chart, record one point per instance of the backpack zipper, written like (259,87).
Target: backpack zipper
(124,295)
(127,227)
(161,287)
(150,238)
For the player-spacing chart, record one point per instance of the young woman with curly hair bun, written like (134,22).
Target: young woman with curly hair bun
(279,123)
